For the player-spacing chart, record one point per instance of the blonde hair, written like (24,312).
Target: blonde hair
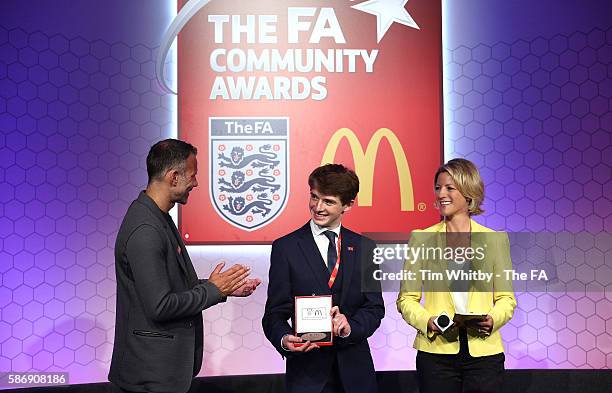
(467,179)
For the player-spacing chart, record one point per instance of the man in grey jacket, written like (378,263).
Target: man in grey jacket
(158,330)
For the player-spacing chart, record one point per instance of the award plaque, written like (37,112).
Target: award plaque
(313,321)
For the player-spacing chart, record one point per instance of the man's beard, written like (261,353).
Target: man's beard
(182,197)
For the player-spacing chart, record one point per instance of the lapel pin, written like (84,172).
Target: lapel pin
(350,248)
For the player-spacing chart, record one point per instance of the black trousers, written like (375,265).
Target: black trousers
(460,373)
(334,383)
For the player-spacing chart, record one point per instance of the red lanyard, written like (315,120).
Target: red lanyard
(334,272)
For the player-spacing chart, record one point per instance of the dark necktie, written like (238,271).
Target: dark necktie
(332,255)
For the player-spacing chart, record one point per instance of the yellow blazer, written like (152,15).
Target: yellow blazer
(499,304)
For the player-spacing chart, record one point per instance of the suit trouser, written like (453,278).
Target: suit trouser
(334,383)
(460,373)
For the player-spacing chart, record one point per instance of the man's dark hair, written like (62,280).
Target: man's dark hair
(335,180)
(166,155)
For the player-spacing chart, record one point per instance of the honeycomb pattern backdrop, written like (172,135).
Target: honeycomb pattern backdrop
(77,117)
(535,116)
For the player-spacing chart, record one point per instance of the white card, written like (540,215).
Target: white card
(312,314)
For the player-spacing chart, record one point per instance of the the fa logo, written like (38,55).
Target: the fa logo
(249,169)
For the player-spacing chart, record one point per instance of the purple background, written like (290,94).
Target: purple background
(528,96)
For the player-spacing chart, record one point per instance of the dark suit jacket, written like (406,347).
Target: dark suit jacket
(158,328)
(297,269)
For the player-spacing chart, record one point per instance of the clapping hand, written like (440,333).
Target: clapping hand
(230,280)
(247,288)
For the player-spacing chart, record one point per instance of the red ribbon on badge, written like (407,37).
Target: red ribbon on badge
(334,272)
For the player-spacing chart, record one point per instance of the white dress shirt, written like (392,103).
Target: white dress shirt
(322,240)
(460,300)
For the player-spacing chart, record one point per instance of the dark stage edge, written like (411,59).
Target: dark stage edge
(516,381)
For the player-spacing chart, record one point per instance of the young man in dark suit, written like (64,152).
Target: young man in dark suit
(305,262)
(158,329)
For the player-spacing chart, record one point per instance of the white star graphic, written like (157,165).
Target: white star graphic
(387,12)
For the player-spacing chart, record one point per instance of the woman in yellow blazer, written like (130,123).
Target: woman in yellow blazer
(468,356)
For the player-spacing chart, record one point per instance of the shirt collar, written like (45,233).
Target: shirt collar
(317,230)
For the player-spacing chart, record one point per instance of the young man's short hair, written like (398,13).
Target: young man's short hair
(335,180)
(166,155)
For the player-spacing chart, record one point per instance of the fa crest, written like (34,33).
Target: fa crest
(249,164)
